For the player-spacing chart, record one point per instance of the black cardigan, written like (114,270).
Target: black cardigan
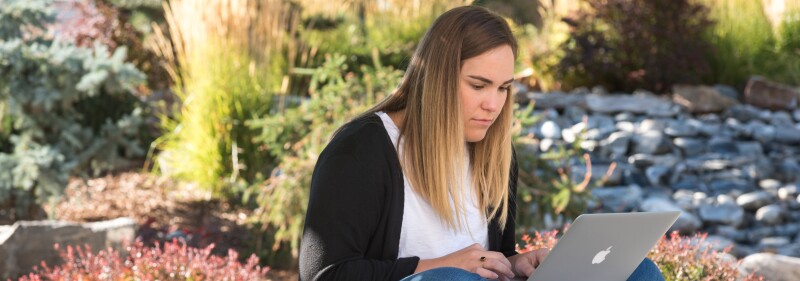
(355,210)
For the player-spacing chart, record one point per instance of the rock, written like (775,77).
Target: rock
(690,146)
(790,135)
(772,267)
(727,214)
(773,243)
(770,214)
(555,100)
(725,199)
(681,129)
(626,126)
(701,99)
(725,186)
(550,130)
(651,142)
(751,149)
(788,192)
(624,117)
(782,119)
(616,145)
(649,105)
(722,145)
(657,174)
(716,243)
(791,250)
(744,113)
(599,171)
(618,199)
(769,184)
(732,233)
(727,91)
(796,115)
(754,200)
(28,243)
(575,114)
(546,144)
(770,95)
(686,222)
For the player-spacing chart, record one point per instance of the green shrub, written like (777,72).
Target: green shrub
(678,257)
(630,44)
(46,88)
(225,75)
(299,135)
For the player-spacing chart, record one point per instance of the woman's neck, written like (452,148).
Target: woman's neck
(398,117)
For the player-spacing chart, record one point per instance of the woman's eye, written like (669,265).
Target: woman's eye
(504,89)
(478,87)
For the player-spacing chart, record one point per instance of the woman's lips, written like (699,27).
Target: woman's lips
(483,122)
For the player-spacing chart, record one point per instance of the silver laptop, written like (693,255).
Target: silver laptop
(604,247)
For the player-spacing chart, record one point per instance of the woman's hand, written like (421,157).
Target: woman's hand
(525,264)
(493,266)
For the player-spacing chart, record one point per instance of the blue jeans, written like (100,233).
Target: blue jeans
(647,271)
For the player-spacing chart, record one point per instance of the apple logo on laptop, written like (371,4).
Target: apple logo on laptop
(601,256)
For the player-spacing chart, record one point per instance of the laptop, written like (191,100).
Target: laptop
(604,247)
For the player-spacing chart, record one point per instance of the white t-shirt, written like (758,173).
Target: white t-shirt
(422,233)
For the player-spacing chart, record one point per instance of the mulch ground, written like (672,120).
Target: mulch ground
(164,209)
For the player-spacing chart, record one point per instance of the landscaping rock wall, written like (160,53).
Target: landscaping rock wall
(729,162)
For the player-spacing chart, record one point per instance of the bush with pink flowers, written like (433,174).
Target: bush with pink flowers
(172,261)
(678,257)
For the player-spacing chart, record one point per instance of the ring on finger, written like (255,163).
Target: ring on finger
(482,259)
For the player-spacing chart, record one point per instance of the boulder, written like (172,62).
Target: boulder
(770,95)
(772,267)
(701,99)
(27,243)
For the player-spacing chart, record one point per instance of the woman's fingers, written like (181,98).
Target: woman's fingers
(498,265)
(486,273)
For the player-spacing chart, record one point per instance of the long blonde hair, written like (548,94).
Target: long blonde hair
(432,131)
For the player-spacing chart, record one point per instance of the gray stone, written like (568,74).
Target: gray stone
(791,250)
(769,184)
(744,113)
(722,145)
(555,100)
(617,144)
(764,133)
(624,116)
(788,192)
(680,129)
(796,115)
(657,174)
(727,214)
(651,142)
(575,114)
(626,126)
(727,91)
(650,105)
(782,119)
(728,185)
(28,243)
(690,146)
(770,214)
(750,149)
(790,135)
(725,199)
(754,200)
(773,243)
(732,233)
(686,222)
(651,125)
(772,267)
(618,199)
(546,144)
(599,172)
(550,130)
(716,243)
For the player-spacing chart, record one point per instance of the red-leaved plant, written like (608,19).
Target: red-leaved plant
(678,257)
(173,261)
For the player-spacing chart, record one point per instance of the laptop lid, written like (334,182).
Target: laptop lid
(604,247)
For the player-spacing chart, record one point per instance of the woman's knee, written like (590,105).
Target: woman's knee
(647,271)
(443,274)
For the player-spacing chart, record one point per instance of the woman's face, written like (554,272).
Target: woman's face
(483,86)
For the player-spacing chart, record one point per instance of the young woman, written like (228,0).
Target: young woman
(422,186)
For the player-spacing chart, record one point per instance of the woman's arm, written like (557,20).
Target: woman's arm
(345,206)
